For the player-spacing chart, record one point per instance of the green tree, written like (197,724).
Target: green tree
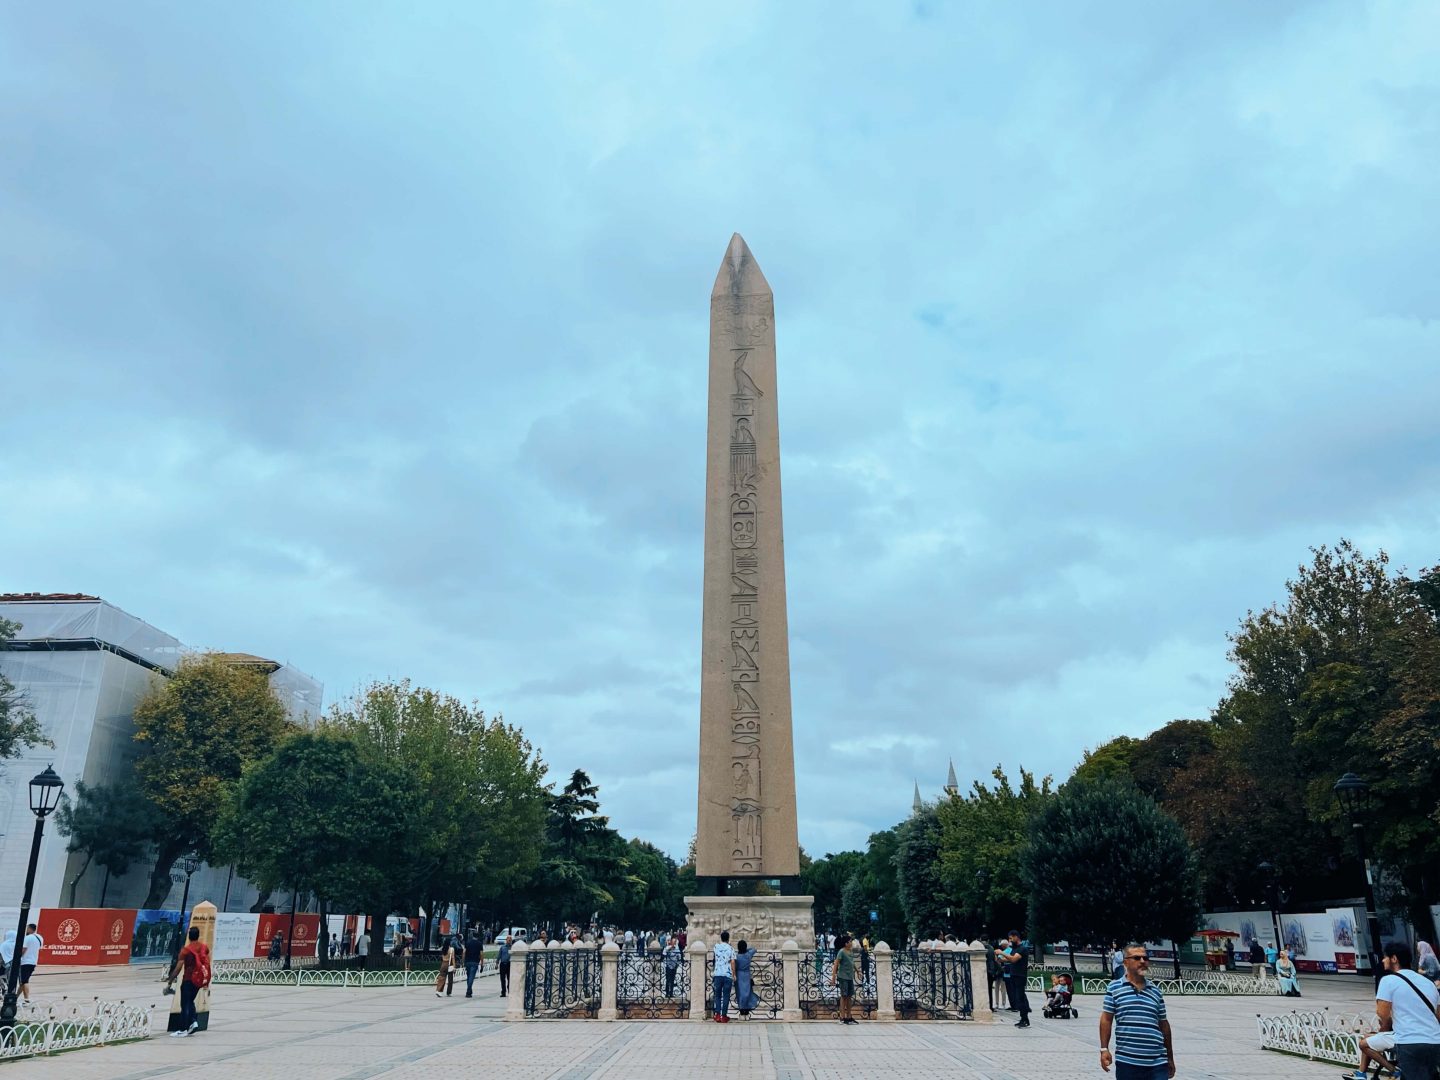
(19,729)
(651,898)
(480,804)
(1344,676)
(112,824)
(585,866)
(319,816)
(920,889)
(825,880)
(1105,863)
(982,835)
(197,731)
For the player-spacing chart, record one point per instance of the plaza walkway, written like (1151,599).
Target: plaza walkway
(332,1034)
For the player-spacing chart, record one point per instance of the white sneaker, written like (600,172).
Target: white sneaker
(194,1027)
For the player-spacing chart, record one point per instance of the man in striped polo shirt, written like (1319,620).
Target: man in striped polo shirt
(1135,1009)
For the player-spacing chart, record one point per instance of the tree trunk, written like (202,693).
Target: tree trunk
(1073,970)
(260,901)
(1176,946)
(165,856)
(105,886)
(75,881)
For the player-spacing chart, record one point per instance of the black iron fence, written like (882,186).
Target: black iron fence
(766,980)
(820,998)
(932,984)
(655,986)
(562,982)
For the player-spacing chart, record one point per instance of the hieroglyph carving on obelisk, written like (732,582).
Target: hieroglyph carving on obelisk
(747,825)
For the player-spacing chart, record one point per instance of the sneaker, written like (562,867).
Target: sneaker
(1022,1023)
(182,1034)
(194,1027)
(1355,1074)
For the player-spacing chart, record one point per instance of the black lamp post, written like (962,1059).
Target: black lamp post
(45,792)
(1272,890)
(1353,795)
(290,937)
(188,865)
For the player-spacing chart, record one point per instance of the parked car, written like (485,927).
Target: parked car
(519,933)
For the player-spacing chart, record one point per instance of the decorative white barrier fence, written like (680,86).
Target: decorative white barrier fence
(1208,984)
(243,972)
(49,1029)
(1316,1034)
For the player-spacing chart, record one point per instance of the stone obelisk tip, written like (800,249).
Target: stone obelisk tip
(740,274)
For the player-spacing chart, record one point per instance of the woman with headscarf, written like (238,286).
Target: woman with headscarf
(1426,962)
(1286,974)
(746,999)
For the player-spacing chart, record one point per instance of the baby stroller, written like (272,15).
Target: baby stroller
(1057,1001)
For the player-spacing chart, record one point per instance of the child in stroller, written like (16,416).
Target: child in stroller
(1057,1001)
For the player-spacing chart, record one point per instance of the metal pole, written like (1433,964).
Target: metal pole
(228,879)
(180,923)
(1372,921)
(12,981)
(290,937)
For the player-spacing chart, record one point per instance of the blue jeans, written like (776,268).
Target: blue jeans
(722,994)
(188,992)
(470,970)
(1141,1072)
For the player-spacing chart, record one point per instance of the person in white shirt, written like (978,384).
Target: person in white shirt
(29,958)
(724,976)
(1406,1003)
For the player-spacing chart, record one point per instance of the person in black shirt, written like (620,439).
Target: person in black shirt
(474,957)
(1017,966)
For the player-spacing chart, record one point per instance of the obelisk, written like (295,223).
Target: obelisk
(746,839)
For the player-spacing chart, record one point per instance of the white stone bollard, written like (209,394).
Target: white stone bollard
(609,981)
(790,981)
(884,962)
(515,1007)
(697,951)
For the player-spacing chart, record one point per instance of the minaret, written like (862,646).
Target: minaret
(951,786)
(747,819)
(918,804)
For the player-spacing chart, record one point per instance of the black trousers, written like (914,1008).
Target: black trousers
(1015,986)
(1418,1061)
(188,992)
(504,977)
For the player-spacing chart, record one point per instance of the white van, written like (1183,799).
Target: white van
(519,933)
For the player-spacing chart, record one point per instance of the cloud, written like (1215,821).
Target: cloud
(377,343)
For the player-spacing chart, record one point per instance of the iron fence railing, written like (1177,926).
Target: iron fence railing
(819,998)
(767,979)
(562,982)
(932,984)
(653,987)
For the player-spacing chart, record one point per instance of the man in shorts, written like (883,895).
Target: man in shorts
(29,957)
(1373,1051)
(842,976)
(1406,1003)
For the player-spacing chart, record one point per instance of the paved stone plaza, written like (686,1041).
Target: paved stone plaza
(334,1034)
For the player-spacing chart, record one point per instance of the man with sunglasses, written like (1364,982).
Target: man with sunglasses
(1134,1009)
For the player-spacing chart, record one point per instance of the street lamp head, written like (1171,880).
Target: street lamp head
(1353,795)
(190,864)
(45,792)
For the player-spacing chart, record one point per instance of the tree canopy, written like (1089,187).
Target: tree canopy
(1104,863)
(112,824)
(198,730)
(19,729)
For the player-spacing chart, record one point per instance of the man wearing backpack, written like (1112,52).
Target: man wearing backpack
(1406,1003)
(194,960)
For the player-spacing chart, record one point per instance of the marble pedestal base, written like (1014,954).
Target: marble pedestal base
(764,922)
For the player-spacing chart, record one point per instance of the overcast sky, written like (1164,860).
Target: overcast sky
(373,338)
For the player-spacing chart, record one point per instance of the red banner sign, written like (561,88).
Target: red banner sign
(307,930)
(86,936)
